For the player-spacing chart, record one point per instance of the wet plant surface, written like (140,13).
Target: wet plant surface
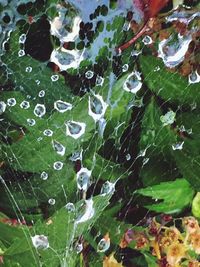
(99,118)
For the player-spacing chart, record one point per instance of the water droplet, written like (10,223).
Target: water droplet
(76,156)
(83,179)
(58,165)
(102,126)
(41,93)
(40,241)
(99,80)
(2,107)
(107,188)
(97,107)
(133,83)
(178,146)
(135,53)
(147,40)
(128,157)
(173,53)
(52,201)
(89,74)
(126,26)
(22,38)
(62,106)
(78,248)
(21,53)
(29,69)
(25,104)
(156,68)
(168,118)
(59,148)
(125,68)
(37,82)
(75,129)
(39,110)
(54,78)
(11,102)
(31,122)
(48,132)
(103,245)
(88,212)
(70,207)
(44,175)
(194,77)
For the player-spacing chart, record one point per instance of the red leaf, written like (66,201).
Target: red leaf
(154,6)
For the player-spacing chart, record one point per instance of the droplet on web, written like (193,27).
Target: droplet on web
(168,118)
(44,175)
(99,80)
(54,78)
(78,248)
(77,155)
(178,146)
(21,53)
(194,77)
(135,53)
(37,82)
(102,126)
(70,207)
(107,188)
(75,129)
(48,132)
(83,179)
(25,104)
(52,201)
(133,83)
(103,245)
(89,74)
(58,147)
(125,68)
(2,107)
(22,38)
(97,107)
(31,122)
(29,69)
(41,93)
(58,165)
(40,241)
(11,102)
(128,157)
(88,212)
(62,106)
(39,110)
(147,40)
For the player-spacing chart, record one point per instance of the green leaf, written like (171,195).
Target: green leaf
(170,86)
(196,206)
(173,196)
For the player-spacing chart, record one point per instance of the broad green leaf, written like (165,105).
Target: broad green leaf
(172,197)
(196,205)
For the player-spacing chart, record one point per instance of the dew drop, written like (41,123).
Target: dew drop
(41,93)
(88,212)
(39,110)
(97,107)
(128,157)
(2,107)
(21,53)
(37,82)
(58,165)
(31,122)
(133,83)
(103,245)
(107,188)
(62,106)
(135,53)
(48,132)
(22,38)
(178,146)
(75,129)
(194,77)
(76,156)
(78,248)
(70,207)
(89,74)
(168,118)
(59,148)
(99,80)
(147,40)
(44,175)
(52,201)
(83,179)
(40,241)
(29,69)
(25,104)
(11,102)
(125,68)
(54,78)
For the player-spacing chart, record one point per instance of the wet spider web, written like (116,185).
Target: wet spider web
(71,112)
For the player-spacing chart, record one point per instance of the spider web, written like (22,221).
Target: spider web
(72,114)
